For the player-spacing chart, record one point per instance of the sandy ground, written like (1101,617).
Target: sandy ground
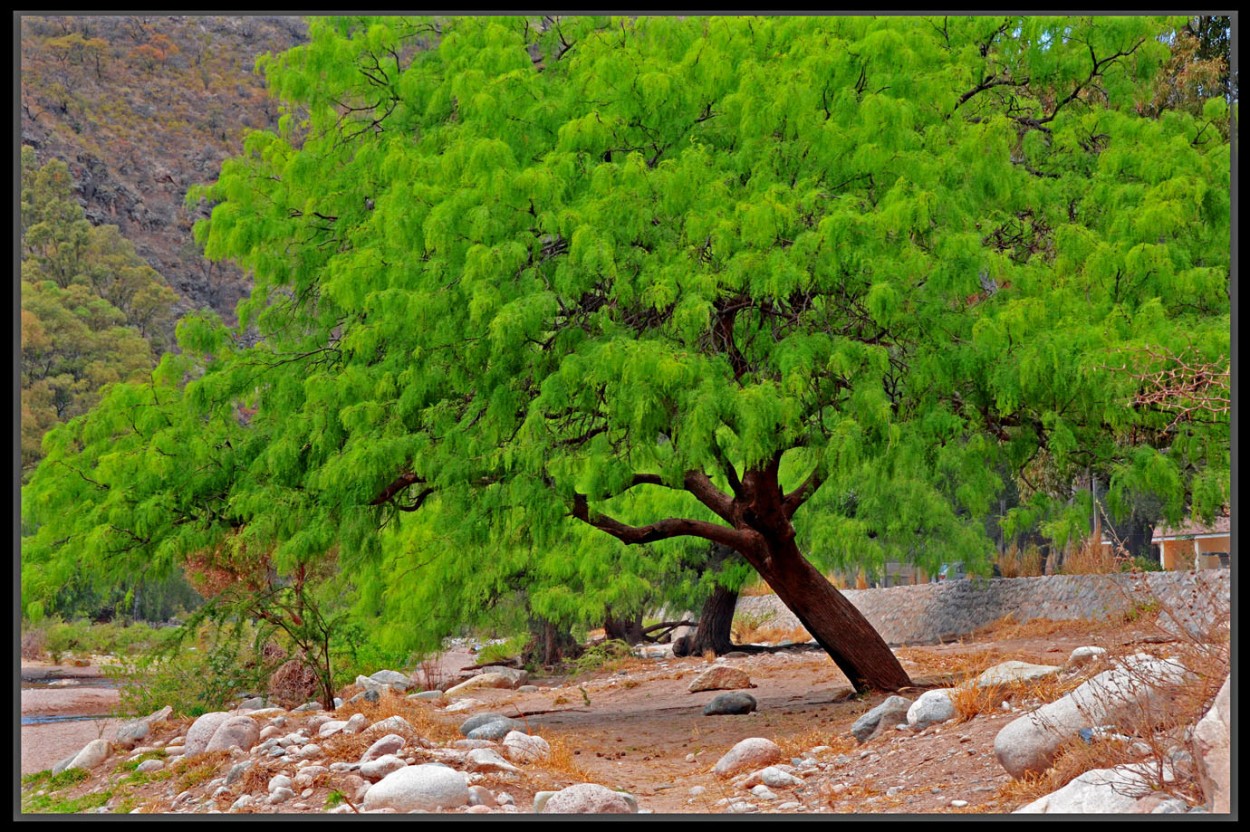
(44,745)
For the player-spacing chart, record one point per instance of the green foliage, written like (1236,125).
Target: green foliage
(540,298)
(605,656)
(204,669)
(47,780)
(84,638)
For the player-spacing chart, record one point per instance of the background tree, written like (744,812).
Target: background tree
(93,313)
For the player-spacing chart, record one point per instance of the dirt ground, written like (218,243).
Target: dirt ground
(634,725)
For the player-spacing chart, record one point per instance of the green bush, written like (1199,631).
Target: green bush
(58,639)
(204,670)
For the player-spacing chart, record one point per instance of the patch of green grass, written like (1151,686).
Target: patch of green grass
(509,649)
(48,804)
(335,798)
(46,779)
(606,656)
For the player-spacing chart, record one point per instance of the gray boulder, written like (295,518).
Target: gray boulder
(929,708)
(589,799)
(390,744)
(721,677)
(236,732)
(133,733)
(1013,672)
(523,748)
(1116,790)
(889,713)
(1082,656)
(1131,691)
(748,755)
(488,759)
(375,770)
(730,704)
(496,730)
(202,730)
(478,721)
(1213,739)
(393,679)
(424,788)
(91,755)
(391,725)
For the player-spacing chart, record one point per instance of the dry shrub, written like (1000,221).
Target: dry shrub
(1158,725)
(957,665)
(971,701)
(1008,628)
(1091,558)
(255,780)
(1074,758)
(749,627)
(293,684)
(430,674)
(1018,563)
(33,644)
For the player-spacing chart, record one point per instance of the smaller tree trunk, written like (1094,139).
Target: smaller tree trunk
(628,630)
(715,625)
(549,644)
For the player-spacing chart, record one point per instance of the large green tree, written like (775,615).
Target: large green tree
(793,286)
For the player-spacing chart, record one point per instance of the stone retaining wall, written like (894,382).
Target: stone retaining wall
(927,613)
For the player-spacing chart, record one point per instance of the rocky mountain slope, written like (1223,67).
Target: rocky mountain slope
(141,108)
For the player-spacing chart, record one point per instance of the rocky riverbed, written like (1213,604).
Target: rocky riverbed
(638,726)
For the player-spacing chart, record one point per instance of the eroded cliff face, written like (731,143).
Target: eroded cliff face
(142,108)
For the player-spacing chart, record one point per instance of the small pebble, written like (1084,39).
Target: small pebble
(959,804)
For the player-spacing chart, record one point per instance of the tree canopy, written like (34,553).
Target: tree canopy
(793,285)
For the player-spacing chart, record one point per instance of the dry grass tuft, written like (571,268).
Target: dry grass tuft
(419,714)
(798,744)
(199,769)
(1018,563)
(1008,628)
(971,701)
(563,760)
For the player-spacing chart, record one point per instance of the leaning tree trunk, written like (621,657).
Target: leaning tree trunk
(855,646)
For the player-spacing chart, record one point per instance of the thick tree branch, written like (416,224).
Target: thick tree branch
(663,530)
(793,501)
(399,484)
(698,484)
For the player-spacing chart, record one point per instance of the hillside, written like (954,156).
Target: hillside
(141,108)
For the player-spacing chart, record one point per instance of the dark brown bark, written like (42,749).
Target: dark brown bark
(715,624)
(855,647)
(549,644)
(760,529)
(628,630)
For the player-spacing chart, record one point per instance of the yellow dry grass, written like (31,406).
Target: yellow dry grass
(796,744)
(563,761)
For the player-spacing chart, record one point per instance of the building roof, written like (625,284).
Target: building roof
(1191,528)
